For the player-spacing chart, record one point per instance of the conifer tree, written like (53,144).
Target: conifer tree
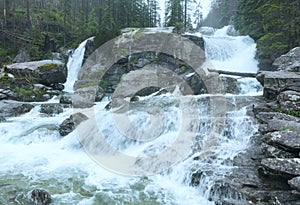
(175,13)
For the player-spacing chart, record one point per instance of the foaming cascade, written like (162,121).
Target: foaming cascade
(159,149)
(74,65)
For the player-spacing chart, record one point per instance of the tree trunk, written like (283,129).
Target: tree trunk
(250,75)
(28,14)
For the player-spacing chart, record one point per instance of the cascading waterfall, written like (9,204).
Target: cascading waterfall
(233,53)
(61,166)
(74,65)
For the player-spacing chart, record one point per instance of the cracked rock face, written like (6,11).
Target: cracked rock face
(295,183)
(289,61)
(285,167)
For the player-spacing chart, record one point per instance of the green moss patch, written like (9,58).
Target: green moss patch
(48,67)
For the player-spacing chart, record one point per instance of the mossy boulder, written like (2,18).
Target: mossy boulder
(46,72)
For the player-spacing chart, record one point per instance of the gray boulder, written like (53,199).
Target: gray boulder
(285,167)
(46,72)
(295,183)
(9,108)
(51,109)
(289,61)
(66,99)
(230,84)
(70,124)
(39,197)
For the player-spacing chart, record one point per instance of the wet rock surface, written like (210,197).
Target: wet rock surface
(268,172)
(9,108)
(70,124)
(51,109)
(40,197)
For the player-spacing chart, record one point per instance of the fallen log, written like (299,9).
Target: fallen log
(249,75)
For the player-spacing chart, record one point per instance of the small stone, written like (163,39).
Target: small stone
(65,99)
(40,197)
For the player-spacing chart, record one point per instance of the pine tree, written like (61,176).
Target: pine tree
(175,14)
(198,16)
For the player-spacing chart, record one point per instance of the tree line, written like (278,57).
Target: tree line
(275,25)
(52,24)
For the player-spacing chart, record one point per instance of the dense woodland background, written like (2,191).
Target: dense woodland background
(45,26)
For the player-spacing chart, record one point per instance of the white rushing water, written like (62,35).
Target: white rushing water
(74,65)
(204,134)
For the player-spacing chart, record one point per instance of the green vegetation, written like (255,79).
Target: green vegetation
(275,25)
(48,67)
(295,113)
(45,26)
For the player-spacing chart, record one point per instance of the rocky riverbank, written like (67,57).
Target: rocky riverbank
(269,171)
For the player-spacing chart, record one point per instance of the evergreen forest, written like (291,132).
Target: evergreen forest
(45,26)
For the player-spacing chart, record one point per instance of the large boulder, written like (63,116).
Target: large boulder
(10,108)
(47,72)
(289,61)
(70,124)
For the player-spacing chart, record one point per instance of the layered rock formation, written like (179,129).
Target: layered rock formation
(268,173)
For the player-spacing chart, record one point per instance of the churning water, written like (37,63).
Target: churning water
(193,140)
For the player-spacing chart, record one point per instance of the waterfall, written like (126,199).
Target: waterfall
(230,52)
(166,149)
(74,65)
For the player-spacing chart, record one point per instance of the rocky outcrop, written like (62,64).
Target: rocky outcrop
(90,47)
(65,98)
(275,82)
(277,145)
(10,108)
(39,197)
(268,171)
(46,72)
(70,124)
(283,85)
(32,81)
(289,61)
(287,168)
